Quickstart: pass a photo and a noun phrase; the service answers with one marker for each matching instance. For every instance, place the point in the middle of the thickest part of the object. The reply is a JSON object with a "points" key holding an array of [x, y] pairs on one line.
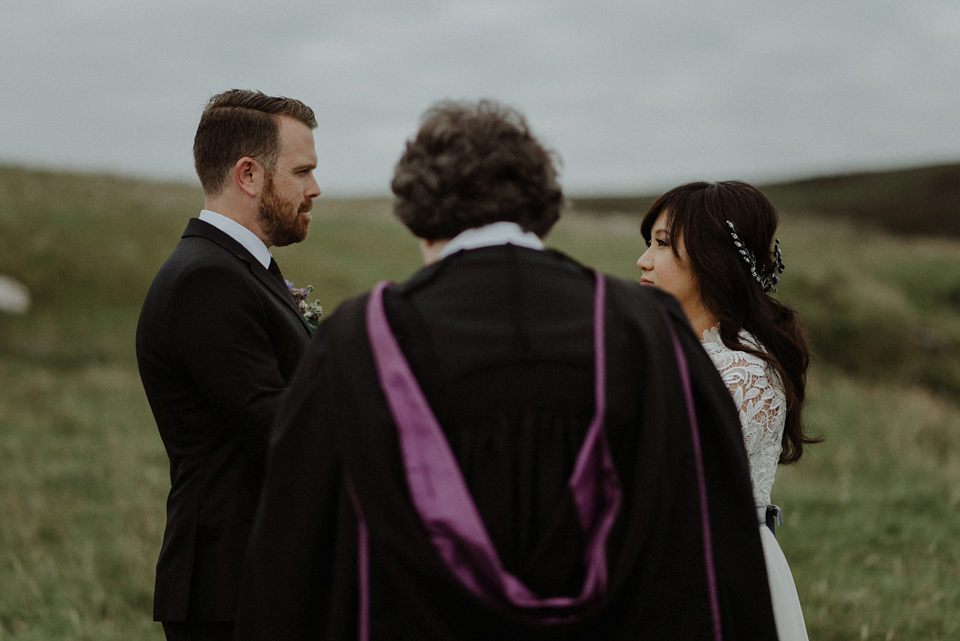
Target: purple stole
{"points": [[441, 497]]}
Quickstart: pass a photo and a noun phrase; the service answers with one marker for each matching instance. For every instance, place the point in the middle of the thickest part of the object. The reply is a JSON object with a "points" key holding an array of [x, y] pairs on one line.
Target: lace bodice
{"points": [[759, 397]]}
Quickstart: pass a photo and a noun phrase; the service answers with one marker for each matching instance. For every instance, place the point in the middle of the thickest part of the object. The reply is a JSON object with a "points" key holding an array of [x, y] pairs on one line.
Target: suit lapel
{"points": [[197, 227], [281, 291]]}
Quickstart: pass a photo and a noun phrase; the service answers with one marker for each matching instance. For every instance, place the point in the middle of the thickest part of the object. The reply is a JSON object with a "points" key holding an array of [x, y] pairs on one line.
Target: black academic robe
{"points": [[218, 340], [501, 342]]}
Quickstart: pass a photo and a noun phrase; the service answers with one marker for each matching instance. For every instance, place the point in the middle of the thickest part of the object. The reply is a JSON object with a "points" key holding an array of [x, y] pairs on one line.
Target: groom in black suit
{"points": [[218, 340]]}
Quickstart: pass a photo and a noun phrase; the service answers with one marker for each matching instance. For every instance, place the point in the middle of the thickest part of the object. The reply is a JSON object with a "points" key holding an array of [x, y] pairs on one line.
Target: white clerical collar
{"points": [[239, 233], [490, 235]]}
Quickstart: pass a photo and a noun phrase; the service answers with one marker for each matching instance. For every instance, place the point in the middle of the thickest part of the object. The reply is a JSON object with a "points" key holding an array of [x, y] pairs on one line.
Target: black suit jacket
{"points": [[217, 342], [497, 337]]}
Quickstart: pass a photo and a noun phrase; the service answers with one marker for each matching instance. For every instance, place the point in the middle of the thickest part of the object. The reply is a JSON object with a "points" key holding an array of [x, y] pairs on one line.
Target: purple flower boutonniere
{"points": [[311, 311]]}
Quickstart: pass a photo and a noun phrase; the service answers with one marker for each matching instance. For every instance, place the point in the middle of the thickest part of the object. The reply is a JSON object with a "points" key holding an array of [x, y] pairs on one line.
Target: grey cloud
{"points": [[633, 95]]}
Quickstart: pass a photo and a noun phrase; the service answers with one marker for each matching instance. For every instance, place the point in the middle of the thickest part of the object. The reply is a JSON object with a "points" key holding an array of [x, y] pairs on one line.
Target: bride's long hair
{"points": [[698, 213]]}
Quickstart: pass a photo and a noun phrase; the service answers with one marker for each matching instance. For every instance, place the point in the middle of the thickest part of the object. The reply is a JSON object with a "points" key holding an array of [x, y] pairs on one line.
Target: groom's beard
{"points": [[282, 221]]}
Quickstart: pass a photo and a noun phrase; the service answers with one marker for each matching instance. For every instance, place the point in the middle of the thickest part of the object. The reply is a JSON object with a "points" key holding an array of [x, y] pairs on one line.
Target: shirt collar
{"points": [[239, 233], [500, 233]]}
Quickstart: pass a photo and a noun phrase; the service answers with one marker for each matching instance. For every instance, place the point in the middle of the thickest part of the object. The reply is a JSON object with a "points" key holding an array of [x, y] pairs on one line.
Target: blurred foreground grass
{"points": [[872, 518]]}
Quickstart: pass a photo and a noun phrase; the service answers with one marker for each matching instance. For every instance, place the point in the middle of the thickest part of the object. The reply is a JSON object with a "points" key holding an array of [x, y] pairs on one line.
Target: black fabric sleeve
{"points": [[220, 331], [742, 584], [285, 592]]}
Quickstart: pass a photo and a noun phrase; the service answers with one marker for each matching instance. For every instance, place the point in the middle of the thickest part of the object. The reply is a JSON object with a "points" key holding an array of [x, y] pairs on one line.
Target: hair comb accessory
{"points": [[767, 281]]}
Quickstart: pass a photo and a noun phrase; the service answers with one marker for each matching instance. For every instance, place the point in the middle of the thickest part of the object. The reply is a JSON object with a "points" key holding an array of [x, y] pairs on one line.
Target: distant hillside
{"points": [[920, 201]]}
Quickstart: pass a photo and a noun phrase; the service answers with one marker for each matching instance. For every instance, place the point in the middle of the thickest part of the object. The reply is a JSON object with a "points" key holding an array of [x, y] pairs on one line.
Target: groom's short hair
{"points": [[472, 164], [239, 123]]}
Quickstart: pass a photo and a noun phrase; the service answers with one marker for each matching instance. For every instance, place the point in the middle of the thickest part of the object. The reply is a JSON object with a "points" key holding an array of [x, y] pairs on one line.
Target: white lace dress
{"points": [[759, 397]]}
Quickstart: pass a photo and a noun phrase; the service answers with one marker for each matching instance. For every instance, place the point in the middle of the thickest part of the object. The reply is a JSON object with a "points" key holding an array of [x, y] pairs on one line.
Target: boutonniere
{"points": [[311, 311]]}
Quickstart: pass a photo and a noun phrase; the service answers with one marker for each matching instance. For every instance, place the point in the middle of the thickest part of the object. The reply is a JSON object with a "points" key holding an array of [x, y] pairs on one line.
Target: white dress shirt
{"points": [[239, 233], [501, 233]]}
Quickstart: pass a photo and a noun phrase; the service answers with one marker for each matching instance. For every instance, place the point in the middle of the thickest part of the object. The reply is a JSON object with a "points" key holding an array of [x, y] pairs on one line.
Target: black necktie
{"points": [[275, 270]]}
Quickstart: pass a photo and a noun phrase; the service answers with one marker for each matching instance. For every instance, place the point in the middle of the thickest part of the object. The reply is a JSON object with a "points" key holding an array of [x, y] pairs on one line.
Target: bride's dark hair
{"points": [[698, 213]]}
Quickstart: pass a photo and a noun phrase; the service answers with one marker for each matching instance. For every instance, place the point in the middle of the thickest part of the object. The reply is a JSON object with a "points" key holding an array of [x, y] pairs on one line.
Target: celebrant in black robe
{"points": [[508, 445]]}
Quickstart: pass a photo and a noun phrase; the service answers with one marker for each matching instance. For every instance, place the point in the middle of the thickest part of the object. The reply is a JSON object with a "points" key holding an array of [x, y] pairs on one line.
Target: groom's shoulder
{"points": [[195, 254], [198, 269]]}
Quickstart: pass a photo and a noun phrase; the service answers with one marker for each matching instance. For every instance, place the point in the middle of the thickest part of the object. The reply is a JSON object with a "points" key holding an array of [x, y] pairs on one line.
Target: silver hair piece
{"points": [[767, 281]]}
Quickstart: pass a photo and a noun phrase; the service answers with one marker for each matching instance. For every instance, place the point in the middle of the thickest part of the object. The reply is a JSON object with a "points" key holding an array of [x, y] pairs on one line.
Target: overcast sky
{"points": [[634, 95]]}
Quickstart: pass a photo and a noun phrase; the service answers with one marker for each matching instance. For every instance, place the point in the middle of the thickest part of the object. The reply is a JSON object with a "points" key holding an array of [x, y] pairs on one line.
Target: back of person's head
{"points": [[727, 230], [237, 124], [472, 164]]}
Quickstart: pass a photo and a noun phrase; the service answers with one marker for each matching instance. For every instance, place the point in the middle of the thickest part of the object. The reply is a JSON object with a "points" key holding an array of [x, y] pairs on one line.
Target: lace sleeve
{"points": [[753, 393], [762, 408]]}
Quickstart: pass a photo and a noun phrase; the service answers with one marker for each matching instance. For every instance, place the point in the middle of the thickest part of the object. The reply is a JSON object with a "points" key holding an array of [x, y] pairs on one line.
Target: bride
{"points": [[709, 245]]}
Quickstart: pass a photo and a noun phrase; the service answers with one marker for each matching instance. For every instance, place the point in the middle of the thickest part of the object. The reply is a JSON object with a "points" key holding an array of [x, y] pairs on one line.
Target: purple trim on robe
{"points": [[363, 568], [441, 497], [701, 482], [594, 484]]}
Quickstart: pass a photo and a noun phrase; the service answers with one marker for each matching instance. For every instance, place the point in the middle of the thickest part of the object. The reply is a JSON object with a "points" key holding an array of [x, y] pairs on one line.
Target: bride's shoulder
{"points": [[724, 357], [711, 339]]}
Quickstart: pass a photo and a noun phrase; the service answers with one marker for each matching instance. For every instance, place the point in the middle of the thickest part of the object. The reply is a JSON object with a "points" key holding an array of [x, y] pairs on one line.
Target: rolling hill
{"points": [[922, 201]]}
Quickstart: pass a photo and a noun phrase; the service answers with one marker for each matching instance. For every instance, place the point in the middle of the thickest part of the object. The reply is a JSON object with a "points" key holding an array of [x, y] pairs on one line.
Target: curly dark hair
{"points": [[472, 164], [239, 123], [698, 213]]}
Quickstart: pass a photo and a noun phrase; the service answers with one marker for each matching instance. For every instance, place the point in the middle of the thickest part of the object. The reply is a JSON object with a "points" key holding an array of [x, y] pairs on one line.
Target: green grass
{"points": [[873, 513]]}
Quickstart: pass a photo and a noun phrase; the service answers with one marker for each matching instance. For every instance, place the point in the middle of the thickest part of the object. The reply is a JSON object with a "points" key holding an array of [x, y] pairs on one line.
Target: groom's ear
{"points": [[248, 176]]}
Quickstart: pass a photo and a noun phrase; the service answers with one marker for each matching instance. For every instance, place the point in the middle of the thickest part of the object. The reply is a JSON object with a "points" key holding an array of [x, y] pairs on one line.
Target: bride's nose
{"points": [[643, 262]]}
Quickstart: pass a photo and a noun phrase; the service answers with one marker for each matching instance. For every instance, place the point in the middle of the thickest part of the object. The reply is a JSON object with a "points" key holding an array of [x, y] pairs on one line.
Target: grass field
{"points": [[872, 515]]}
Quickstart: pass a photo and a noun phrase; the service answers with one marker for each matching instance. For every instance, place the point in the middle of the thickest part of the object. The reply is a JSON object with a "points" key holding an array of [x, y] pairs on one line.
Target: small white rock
{"points": [[14, 297]]}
